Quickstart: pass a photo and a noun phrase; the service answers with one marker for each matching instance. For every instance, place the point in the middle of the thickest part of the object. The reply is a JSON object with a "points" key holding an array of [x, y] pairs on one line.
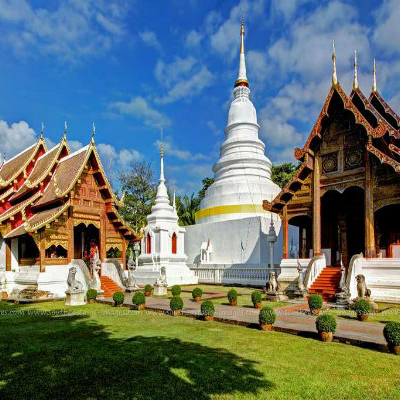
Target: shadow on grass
{"points": [[64, 356]]}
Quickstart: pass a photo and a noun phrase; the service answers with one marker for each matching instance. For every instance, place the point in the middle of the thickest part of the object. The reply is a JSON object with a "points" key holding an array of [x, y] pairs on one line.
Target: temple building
{"points": [[163, 242], [231, 220], [54, 206], [345, 196]]}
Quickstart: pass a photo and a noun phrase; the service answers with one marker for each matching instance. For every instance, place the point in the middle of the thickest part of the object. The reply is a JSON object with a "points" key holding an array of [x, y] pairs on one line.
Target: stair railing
{"points": [[314, 268], [113, 270], [355, 268]]}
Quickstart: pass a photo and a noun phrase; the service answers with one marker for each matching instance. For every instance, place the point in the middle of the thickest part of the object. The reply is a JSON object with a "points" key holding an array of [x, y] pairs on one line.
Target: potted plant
{"points": [[176, 305], [147, 290], [256, 298], [315, 304], [208, 310], [391, 331], [91, 295], [118, 298], [196, 294], [232, 297], [326, 326], [139, 300], [176, 290], [266, 318], [362, 308]]}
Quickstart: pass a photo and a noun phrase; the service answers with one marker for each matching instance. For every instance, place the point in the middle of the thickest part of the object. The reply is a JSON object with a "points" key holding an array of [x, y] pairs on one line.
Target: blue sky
{"points": [[133, 66]]}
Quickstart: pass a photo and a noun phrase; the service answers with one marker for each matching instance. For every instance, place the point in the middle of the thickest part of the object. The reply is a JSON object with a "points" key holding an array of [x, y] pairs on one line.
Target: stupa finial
{"points": [[374, 77], [242, 77], [161, 156], [355, 80], [334, 74], [93, 132]]}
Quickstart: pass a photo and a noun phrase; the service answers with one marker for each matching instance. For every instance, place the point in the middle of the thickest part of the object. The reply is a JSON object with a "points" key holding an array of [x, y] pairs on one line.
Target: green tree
{"points": [[282, 173], [186, 208], [207, 182], [140, 190]]}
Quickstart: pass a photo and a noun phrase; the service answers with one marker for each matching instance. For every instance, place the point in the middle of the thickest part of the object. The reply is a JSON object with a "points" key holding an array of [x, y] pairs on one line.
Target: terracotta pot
{"points": [[394, 349], [5, 295], [197, 299], [266, 327], [326, 336], [91, 301], [362, 317], [209, 317], [147, 294], [257, 305], [176, 312], [141, 307], [316, 311], [233, 303]]}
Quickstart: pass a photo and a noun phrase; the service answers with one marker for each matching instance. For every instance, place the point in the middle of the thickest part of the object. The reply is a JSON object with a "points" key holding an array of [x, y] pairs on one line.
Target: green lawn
{"points": [[97, 351], [386, 313]]}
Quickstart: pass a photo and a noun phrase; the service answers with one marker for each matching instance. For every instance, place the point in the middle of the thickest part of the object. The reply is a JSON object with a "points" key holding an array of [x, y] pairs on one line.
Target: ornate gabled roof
{"points": [[39, 220], [13, 167], [19, 207], [42, 168], [386, 112], [68, 172], [121, 222], [7, 193]]}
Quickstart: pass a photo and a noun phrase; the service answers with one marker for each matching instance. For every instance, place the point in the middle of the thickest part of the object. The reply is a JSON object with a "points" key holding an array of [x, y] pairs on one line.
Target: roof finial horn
{"points": [[355, 80], [374, 78], [65, 128], [42, 131], [334, 74], [93, 132]]}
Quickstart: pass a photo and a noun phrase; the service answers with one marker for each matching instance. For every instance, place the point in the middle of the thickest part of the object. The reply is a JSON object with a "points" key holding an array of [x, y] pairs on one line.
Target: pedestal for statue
{"points": [[160, 290], [75, 298], [276, 296], [273, 289]]}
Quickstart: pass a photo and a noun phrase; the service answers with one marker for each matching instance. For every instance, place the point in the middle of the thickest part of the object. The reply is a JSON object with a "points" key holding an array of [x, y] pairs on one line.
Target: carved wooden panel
{"points": [[330, 162], [353, 158]]}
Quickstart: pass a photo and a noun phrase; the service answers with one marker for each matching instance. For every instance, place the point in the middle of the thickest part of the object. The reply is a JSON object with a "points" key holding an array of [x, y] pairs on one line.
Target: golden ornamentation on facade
{"points": [[87, 222]]}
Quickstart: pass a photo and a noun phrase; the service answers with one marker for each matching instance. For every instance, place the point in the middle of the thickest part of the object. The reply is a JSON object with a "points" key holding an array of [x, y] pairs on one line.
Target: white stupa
{"points": [[163, 242], [231, 218]]}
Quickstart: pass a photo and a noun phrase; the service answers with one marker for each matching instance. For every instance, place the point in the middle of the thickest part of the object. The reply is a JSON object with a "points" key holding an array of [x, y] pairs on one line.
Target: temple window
{"points": [[113, 252], [174, 243], [56, 252]]}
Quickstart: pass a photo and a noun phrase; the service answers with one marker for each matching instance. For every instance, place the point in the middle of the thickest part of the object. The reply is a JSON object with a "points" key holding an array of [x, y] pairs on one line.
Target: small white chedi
{"points": [[162, 246]]}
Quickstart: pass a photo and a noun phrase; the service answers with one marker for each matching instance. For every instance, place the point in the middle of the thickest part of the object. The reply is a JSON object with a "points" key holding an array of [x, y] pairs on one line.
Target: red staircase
{"points": [[327, 283], [109, 286]]}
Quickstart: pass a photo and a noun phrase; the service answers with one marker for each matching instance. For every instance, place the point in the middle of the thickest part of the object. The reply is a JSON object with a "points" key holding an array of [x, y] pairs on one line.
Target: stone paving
{"points": [[291, 319]]}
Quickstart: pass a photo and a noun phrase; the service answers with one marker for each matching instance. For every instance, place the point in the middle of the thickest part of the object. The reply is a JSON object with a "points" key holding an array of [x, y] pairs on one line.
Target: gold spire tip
{"points": [[334, 74], [374, 77], [355, 80], [242, 36]]}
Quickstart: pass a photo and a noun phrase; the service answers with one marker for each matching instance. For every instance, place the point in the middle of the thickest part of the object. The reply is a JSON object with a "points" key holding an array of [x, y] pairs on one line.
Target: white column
{"points": [[14, 254], [2, 254]]}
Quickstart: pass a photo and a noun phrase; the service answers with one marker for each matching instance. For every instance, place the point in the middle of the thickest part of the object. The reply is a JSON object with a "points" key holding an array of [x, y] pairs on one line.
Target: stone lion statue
{"points": [[73, 284], [272, 284], [362, 289]]}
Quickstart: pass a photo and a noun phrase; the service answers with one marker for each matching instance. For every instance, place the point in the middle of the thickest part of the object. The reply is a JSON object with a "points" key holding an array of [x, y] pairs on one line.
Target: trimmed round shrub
{"points": [[267, 315], [176, 303], [207, 308], [176, 290], [197, 292], [148, 288], [256, 297], [391, 331], [232, 295], [118, 298], [326, 323], [362, 307], [138, 299], [91, 294], [315, 302]]}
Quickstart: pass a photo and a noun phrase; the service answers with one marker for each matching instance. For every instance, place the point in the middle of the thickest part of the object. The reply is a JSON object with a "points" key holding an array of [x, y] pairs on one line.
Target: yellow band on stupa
{"points": [[230, 209]]}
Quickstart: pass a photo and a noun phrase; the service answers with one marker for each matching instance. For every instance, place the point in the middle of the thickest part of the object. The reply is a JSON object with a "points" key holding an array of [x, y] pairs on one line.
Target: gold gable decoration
{"points": [[56, 240], [114, 243]]}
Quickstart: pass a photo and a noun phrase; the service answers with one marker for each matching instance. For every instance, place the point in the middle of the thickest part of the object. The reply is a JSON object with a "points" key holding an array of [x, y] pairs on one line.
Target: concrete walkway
{"points": [[290, 319]]}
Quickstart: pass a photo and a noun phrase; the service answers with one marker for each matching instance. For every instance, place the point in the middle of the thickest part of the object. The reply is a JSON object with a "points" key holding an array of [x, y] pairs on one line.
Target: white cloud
{"points": [[167, 74], [15, 137], [193, 38], [172, 149], [74, 145], [387, 31], [214, 129], [149, 38], [139, 108], [69, 30]]}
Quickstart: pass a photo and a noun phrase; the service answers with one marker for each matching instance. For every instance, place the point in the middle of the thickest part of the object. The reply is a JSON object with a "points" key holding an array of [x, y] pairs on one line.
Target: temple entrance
{"points": [[304, 223], [387, 230], [83, 237], [342, 225]]}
